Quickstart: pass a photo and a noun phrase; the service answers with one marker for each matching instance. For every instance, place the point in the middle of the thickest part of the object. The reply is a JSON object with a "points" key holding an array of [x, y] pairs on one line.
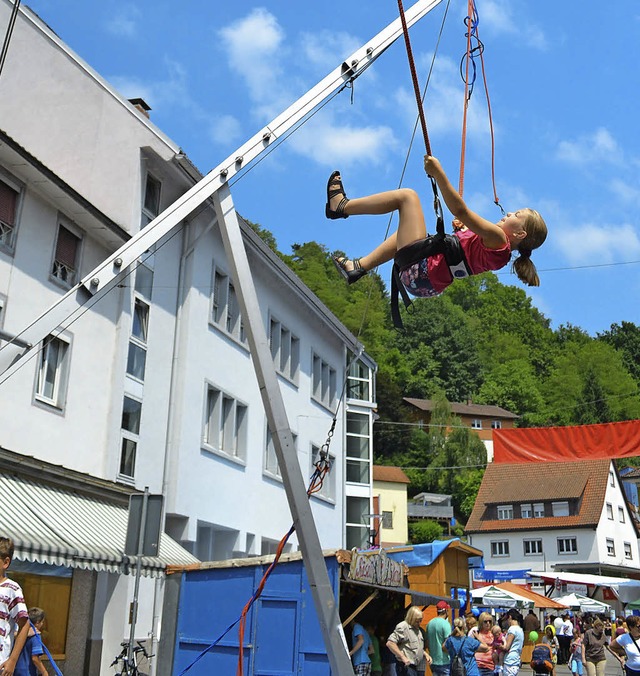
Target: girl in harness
{"points": [[485, 245]]}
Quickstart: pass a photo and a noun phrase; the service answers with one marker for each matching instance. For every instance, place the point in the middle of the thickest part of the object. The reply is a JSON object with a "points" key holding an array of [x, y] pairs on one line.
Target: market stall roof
{"points": [[583, 603], [539, 601], [626, 590], [494, 597]]}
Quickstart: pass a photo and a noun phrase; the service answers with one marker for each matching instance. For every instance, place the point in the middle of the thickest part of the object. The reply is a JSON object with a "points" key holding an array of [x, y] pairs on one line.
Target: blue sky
{"points": [[563, 96]]}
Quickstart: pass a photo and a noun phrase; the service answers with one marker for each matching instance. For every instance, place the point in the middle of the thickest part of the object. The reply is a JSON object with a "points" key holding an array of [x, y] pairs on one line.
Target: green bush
{"points": [[425, 531]]}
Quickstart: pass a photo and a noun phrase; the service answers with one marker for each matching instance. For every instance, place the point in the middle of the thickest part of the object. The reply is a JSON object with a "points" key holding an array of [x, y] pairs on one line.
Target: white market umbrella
{"points": [[494, 597], [583, 603]]}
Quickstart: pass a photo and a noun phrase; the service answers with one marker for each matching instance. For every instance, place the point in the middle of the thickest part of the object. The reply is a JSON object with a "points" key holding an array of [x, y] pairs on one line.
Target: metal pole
{"points": [[294, 485], [136, 589]]}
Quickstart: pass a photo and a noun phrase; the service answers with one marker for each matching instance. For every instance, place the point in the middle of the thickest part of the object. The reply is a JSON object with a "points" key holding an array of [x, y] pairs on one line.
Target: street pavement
{"points": [[611, 669]]}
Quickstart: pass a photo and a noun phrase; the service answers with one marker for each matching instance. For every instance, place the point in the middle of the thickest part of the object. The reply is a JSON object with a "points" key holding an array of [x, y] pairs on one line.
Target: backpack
{"points": [[541, 659], [458, 667]]}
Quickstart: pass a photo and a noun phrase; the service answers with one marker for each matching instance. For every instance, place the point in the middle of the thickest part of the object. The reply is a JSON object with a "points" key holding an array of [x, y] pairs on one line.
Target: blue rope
{"points": [[477, 48]]}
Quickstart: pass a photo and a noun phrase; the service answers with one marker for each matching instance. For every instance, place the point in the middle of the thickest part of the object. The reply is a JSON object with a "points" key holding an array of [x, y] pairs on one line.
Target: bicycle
{"points": [[122, 660]]}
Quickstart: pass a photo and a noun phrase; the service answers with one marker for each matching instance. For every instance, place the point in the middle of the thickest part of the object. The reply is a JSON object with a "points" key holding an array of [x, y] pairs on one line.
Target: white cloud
{"points": [[342, 145], [325, 48], [254, 48], [589, 149], [224, 128], [629, 194], [497, 17], [589, 243], [124, 22]]}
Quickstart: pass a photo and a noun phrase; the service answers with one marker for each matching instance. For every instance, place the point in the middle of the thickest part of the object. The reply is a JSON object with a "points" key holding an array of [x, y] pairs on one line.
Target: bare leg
{"points": [[410, 228]]}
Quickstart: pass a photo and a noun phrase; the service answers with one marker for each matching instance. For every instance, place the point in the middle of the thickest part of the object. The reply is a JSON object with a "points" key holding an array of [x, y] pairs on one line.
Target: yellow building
{"points": [[389, 522]]}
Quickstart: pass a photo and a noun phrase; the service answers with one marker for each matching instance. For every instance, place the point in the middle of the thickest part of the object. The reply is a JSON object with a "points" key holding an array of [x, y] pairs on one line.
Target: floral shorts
{"points": [[416, 280]]}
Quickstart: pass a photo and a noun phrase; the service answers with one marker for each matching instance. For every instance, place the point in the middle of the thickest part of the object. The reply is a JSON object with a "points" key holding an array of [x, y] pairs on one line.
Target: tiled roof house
{"points": [[555, 516]]}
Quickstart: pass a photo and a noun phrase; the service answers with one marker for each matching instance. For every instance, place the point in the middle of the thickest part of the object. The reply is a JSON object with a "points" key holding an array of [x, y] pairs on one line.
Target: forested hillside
{"points": [[481, 341]]}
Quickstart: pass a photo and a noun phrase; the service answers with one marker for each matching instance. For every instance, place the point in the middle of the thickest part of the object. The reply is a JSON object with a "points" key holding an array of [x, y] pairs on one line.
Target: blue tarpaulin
{"points": [[426, 554]]}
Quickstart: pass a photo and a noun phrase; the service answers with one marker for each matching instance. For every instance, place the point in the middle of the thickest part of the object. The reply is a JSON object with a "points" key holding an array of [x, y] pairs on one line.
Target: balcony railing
{"points": [[417, 511]]}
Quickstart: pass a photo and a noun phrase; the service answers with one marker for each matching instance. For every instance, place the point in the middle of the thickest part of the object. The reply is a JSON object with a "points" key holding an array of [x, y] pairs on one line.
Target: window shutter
{"points": [[8, 199], [67, 247]]}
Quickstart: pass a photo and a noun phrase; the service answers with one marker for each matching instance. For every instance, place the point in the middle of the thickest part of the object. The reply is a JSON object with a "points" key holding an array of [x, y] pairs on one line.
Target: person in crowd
{"points": [[438, 630], [30, 662], [514, 643], [472, 625], [465, 645], [620, 628], [607, 627], [374, 655], [565, 636], [361, 648], [550, 639], [626, 647], [594, 644], [498, 649], [575, 650], [531, 623], [13, 611], [484, 658], [406, 642]]}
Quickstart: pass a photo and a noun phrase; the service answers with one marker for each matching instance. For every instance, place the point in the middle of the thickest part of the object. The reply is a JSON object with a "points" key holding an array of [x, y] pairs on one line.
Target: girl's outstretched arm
{"points": [[492, 236]]}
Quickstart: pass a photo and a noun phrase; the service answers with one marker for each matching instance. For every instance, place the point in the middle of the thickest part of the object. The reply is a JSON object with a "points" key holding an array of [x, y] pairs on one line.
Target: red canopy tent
{"points": [[560, 444]]}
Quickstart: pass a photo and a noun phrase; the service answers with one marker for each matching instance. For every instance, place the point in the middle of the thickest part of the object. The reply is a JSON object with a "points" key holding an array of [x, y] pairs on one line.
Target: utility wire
{"points": [[9, 33]]}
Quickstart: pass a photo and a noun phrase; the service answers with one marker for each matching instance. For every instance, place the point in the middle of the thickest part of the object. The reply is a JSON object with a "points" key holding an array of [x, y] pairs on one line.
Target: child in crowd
{"points": [[29, 663], [498, 648], [576, 653], [13, 611], [550, 639]]}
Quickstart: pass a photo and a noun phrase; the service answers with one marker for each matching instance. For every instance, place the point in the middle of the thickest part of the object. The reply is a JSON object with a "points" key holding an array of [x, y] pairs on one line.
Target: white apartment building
{"points": [[555, 516], [153, 386]]}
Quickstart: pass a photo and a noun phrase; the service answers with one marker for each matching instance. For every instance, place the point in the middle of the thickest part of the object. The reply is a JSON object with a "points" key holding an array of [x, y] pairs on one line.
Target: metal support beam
{"points": [[294, 485]]}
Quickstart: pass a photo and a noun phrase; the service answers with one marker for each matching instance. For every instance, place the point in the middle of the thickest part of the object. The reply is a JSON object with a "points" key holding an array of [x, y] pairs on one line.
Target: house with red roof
{"points": [[555, 516], [389, 521]]}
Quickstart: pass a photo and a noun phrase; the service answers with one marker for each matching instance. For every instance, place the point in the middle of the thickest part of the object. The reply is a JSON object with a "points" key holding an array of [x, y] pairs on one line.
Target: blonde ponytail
{"points": [[523, 266]]}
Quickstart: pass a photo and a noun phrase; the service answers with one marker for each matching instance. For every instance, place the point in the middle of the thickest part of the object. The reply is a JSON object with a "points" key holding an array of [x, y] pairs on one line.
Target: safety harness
{"points": [[448, 245]]}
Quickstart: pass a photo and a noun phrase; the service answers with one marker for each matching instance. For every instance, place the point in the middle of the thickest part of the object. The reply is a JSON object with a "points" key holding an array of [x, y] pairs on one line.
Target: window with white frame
{"points": [[627, 551], [225, 309], [532, 547], [53, 371], [131, 414], [358, 379], [621, 518], [358, 524], [609, 511], [505, 512], [526, 511], [285, 350], [560, 508], [496, 424], [144, 281], [611, 547], [151, 201], [500, 548], [9, 201], [387, 520], [225, 424], [358, 447], [328, 488], [137, 357], [66, 256], [270, 459], [476, 424], [568, 545], [323, 382], [612, 479], [538, 510]]}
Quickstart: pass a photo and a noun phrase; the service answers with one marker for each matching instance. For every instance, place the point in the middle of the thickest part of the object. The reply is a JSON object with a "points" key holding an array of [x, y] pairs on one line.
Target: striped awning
{"points": [[61, 527]]}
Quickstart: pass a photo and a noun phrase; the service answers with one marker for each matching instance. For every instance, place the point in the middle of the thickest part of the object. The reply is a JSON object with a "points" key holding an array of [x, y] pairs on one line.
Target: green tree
{"points": [[625, 337], [425, 531]]}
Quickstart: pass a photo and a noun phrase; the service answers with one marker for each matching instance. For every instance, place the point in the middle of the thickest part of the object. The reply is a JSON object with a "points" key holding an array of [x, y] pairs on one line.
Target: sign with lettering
{"points": [[376, 569]]}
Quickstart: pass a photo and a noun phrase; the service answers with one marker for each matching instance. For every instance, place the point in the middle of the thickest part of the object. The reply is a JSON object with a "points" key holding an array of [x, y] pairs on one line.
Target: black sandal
{"points": [[350, 276], [338, 189]]}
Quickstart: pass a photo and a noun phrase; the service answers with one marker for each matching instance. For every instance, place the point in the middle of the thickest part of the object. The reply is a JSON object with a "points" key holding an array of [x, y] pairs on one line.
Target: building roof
{"points": [[479, 410], [391, 474], [504, 483], [539, 601]]}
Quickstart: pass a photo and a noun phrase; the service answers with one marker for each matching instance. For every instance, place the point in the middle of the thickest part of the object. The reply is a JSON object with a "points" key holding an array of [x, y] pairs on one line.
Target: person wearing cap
{"points": [[514, 644], [438, 630], [407, 644]]}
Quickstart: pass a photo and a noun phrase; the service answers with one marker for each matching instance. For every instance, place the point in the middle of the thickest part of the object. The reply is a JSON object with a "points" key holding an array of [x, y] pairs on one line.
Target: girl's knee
{"points": [[408, 195]]}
